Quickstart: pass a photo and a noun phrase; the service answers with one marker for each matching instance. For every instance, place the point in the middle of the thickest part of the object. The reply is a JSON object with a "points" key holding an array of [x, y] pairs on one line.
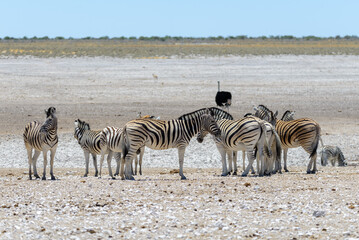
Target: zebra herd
{"points": [[260, 135]]}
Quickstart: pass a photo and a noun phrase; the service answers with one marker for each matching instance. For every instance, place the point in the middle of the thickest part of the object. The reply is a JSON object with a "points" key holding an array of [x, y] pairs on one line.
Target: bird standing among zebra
{"points": [[223, 98], [42, 138], [160, 135]]}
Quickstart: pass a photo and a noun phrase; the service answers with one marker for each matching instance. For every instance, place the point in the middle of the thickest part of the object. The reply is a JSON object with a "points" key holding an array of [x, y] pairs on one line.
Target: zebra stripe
{"points": [[303, 132], [159, 135], [41, 138]]}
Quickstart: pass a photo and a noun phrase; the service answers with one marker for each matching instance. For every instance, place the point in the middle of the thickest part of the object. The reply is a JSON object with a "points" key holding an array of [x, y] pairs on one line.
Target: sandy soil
{"points": [[111, 91]]}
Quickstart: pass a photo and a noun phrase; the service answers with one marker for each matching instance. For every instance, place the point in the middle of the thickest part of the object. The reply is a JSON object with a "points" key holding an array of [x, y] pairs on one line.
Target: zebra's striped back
{"points": [[299, 132], [88, 139], [245, 130], [216, 113], [111, 136]]}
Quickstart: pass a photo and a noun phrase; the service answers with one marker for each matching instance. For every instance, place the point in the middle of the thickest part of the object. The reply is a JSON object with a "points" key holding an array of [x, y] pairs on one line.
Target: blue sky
{"points": [[188, 18]]}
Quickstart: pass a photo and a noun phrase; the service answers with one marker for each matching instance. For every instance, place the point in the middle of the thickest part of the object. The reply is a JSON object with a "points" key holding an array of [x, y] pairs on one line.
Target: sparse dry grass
{"points": [[159, 49]]}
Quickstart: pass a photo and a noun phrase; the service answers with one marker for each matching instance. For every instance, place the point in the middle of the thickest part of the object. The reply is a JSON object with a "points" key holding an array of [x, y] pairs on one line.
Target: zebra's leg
{"points": [[34, 159], [109, 157], [52, 157], [94, 158], [235, 162], [251, 158], [181, 151], [87, 156], [141, 157], [101, 162], [118, 163], [29, 158], [122, 167], [136, 162], [244, 159], [230, 161], [222, 152], [285, 151], [130, 155], [44, 153]]}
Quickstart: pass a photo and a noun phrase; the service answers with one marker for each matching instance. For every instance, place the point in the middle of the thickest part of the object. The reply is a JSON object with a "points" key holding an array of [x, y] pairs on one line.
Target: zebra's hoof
{"points": [[53, 177], [183, 178], [85, 175], [244, 175], [234, 173], [130, 178], [43, 178], [116, 174], [286, 170], [224, 174], [113, 178], [36, 176], [30, 178]]}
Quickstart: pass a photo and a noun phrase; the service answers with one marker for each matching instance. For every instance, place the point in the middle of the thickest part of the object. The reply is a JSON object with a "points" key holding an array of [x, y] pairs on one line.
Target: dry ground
{"points": [[158, 205], [110, 91]]}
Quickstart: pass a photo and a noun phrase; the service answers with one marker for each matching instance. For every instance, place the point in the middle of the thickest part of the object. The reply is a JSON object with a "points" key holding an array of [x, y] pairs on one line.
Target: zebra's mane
{"points": [[264, 108], [193, 114], [220, 112], [215, 112], [285, 114]]}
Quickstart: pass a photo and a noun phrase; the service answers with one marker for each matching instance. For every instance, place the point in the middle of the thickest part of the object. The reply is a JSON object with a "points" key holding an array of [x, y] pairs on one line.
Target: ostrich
{"points": [[223, 98]]}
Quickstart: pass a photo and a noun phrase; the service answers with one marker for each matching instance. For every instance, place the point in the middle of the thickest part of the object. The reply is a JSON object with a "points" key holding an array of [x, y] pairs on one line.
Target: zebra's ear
{"points": [[255, 109]]}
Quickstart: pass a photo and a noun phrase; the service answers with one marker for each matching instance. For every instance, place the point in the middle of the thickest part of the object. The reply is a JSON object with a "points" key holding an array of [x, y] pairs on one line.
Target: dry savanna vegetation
{"points": [[180, 48]]}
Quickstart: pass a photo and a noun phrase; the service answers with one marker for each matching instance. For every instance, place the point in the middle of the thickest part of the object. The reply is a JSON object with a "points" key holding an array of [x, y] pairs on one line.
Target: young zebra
{"points": [[302, 132], [89, 141], [42, 138], [160, 135], [247, 134], [332, 154]]}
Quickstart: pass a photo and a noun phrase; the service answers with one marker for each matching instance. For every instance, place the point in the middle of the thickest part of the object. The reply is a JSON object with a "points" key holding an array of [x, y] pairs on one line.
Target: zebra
{"points": [[110, 144], [89, 141], [303, 132], [160, 135], [42, 138], [247, 134], [332, 154]]}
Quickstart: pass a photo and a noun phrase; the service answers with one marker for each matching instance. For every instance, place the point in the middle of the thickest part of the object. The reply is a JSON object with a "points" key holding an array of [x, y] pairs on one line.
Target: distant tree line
{"points": [[178, 38]]}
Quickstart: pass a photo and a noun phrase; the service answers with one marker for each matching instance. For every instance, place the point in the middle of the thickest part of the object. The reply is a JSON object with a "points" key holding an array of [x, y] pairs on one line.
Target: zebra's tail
{"points": [[316, 140], [263, 139], [125, 144], [278, 145]]}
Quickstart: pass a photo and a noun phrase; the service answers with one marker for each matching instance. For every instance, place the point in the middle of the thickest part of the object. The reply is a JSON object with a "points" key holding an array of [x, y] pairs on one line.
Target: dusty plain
{"points": [[111, 91]]}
